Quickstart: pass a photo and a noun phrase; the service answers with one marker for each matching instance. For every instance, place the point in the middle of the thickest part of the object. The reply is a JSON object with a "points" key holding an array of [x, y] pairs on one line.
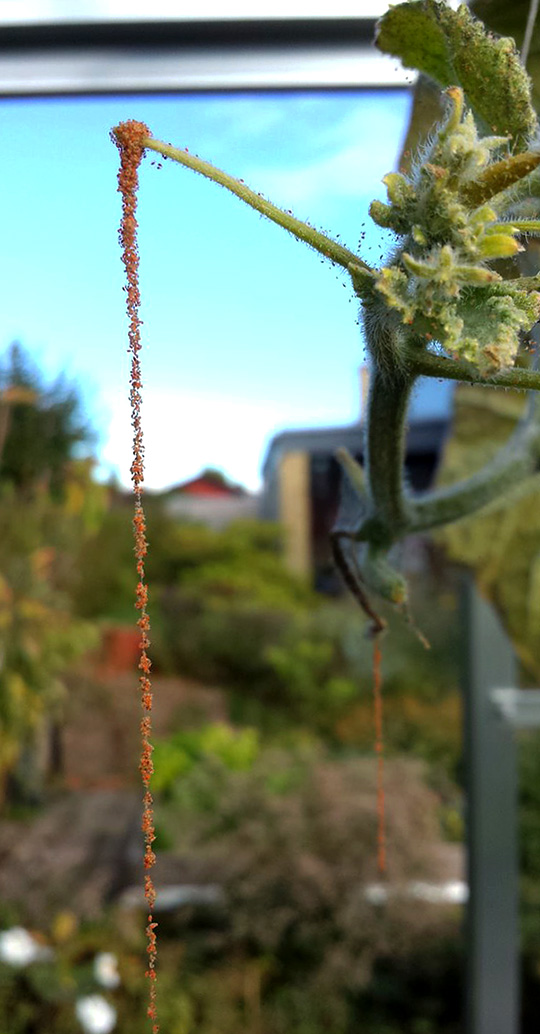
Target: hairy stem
{"points": [[385, 448], [426, 364], [317, 240], [517, 460]]}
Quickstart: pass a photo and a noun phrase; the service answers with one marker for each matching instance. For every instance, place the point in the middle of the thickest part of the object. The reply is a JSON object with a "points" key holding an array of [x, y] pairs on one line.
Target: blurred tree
{"points": [[39, 635], [42, 426], [49, 502]]}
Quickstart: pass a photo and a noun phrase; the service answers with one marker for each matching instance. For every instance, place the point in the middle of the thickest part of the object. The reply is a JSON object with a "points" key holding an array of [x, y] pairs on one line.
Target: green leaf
{"points": [[411, 32], [453, 48]]}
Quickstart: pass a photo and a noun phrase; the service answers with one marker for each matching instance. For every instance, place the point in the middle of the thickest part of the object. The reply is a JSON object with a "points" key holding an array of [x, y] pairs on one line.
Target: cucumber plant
{"points": [[439, 307]]}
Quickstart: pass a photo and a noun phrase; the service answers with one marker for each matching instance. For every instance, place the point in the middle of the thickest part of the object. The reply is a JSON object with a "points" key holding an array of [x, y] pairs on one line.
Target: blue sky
{"points": [[246, 331]]}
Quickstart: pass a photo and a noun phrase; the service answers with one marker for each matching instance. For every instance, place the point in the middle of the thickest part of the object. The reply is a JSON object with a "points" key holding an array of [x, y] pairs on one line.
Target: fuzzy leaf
{"points": [[411, 32], [453, 48]]}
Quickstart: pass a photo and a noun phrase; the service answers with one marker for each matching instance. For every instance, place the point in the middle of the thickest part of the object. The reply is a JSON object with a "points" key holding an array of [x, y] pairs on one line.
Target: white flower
{"points": [[106, 969], [376, 893], [18, 947], [95, 1014]]}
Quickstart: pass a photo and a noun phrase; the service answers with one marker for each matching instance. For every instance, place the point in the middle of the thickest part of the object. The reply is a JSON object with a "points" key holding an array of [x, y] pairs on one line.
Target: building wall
{"points": [[215, 512], [295, 511]]}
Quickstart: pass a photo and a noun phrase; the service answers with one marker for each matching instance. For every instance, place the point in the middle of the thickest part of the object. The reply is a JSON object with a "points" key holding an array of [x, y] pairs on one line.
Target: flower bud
{"points": [[499, 245], [399, 190], [381, 214]]}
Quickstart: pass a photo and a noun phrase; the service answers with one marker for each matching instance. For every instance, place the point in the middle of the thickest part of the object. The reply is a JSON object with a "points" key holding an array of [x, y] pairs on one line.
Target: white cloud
{"points": [[240, 117], [337, 175], [184, 433], [353, 154]]}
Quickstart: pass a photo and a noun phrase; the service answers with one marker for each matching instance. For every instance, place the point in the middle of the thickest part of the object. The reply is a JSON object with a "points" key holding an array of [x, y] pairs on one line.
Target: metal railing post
{"points": [[492, 1005]]}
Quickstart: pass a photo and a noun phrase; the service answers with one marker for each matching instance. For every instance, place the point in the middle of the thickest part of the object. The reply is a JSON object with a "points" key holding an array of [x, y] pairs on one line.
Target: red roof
{"points": [[208, 487]]}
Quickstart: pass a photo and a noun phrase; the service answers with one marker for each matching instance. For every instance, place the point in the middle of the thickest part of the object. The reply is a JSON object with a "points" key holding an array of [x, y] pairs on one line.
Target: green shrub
{"points": [[40, 637], [305, 672], [429, 729], [235, 750], [291, 840], [103, 581]]}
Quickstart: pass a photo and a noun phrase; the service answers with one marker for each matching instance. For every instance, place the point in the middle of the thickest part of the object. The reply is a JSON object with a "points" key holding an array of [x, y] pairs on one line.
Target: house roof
{"points": [[207, 485], [423, 436]]}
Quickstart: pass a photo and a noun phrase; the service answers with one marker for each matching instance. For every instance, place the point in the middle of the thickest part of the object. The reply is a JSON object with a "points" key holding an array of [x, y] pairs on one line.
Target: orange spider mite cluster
{"points": [[129, 137]]}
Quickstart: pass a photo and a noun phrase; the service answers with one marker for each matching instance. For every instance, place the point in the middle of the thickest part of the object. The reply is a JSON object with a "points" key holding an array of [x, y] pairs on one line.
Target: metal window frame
{"points": [[495, 711], [166, 56]]}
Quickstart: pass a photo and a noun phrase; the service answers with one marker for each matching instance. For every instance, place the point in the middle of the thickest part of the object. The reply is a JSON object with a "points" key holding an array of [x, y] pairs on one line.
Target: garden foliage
{"points": [[48, 504]]}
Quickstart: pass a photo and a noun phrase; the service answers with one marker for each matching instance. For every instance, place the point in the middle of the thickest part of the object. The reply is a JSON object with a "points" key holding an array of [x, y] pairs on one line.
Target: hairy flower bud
{"points": [[382, 214], [400, 191], [439, 281], [499, 245]]}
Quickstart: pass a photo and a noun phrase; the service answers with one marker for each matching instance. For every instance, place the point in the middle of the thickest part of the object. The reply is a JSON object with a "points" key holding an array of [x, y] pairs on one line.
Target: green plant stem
{"points": [[385, 448], [426, 364], [393, 514], [517, 460], [317, 240]]}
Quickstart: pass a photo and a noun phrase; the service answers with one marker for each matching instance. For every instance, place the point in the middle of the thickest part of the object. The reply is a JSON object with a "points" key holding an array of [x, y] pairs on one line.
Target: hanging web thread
{"points": [[129, 137], [379, 749]]}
